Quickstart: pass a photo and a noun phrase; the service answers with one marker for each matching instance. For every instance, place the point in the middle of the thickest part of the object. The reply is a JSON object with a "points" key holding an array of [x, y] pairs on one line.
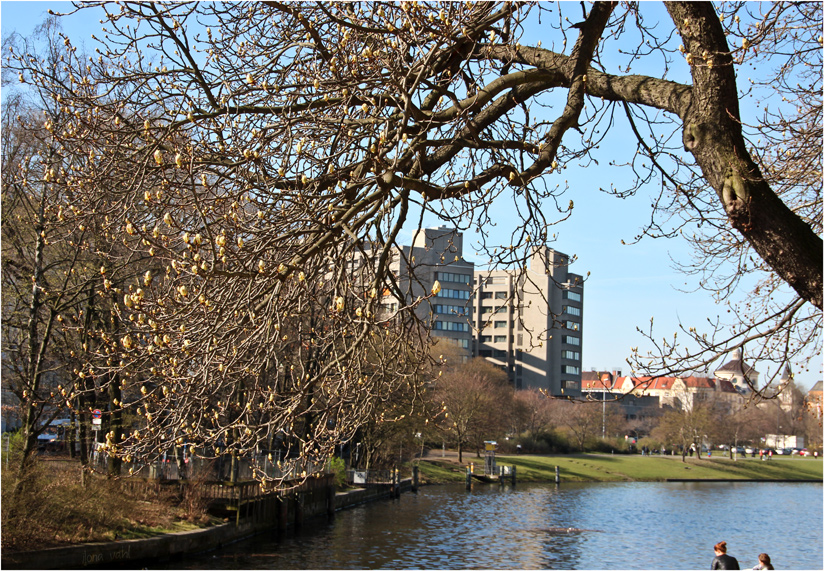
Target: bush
{"points": [[338, 467]]}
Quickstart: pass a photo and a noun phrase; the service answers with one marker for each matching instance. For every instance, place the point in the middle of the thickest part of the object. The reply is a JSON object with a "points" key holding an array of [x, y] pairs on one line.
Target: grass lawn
{"points": [[615, 468]]}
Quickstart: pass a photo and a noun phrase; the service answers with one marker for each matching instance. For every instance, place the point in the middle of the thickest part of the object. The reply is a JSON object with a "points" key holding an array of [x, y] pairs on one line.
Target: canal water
{"points": [[633, 525]]}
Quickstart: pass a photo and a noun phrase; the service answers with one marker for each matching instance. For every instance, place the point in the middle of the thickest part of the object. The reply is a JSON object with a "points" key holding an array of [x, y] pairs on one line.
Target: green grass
{"points": [[616, 468], [440, 473]]}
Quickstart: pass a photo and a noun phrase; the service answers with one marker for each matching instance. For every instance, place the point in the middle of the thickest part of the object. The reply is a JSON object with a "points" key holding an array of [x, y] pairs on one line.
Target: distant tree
{"points": [[470, 398], [689, 428], [583, 420], [535, 411]]}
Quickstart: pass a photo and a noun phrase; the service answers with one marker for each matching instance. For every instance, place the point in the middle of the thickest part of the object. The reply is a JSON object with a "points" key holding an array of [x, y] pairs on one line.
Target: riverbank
{"points": [[275, 516], [438, 467]]}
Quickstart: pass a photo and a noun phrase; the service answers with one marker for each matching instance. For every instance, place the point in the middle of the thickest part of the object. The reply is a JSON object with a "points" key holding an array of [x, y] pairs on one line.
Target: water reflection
{"points": [[630, 526]]}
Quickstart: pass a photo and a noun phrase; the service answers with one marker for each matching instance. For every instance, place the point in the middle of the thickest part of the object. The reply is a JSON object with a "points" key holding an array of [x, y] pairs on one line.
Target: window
{"points": [[569, 385], [454, 293], [574, 355], [486, 295], [520, 339], [485, 352], [571, 370], [500, 309], [499, 354], [570, 310], [500, 295], [389, 307], [462, 343], [451, 309], [454, 278], [572, 325], [570, 340], [486, 338], [500, 324], [572, 295], [500, 339], [451, 326], [485, 310]]}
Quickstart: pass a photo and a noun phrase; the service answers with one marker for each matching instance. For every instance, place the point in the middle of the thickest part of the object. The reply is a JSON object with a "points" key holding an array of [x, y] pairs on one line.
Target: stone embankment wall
{"points": [[264, 515]]}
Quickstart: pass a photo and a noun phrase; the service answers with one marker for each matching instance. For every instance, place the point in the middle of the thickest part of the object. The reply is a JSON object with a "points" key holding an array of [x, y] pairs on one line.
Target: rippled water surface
{"points": [[627, 526]]}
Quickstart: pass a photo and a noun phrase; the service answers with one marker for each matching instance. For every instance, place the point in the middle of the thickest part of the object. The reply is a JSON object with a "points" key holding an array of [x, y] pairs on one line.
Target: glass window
{"points": [[570, 310], [452, 277], [500, 324], [486, 295], [500, 339], [500, 295], [486, 338], [454, 293], [572, 295], [574, 355], [485, 310], [572, 325], [451, 326], [570, 370], [451, 309], [485, 352], [570, 340]]}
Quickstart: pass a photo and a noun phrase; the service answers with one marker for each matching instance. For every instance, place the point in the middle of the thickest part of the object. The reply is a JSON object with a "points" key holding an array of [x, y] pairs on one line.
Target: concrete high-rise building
{"points": [[436, 254], [527, 321]]}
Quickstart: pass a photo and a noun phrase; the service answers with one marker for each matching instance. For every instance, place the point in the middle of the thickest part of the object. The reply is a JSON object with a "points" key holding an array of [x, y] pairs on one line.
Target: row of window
{"points": [[493, 338], [455, 278], [490, 309], [451, 326], [494, 295], [441, 309], [454, 293]]}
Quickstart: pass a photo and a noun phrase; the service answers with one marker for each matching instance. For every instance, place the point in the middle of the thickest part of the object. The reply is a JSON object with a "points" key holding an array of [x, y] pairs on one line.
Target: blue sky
{"points": [[628, 284]]}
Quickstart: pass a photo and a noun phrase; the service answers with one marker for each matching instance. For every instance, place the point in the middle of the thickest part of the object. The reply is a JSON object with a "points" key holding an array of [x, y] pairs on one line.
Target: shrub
{"points": [[338, 467]]}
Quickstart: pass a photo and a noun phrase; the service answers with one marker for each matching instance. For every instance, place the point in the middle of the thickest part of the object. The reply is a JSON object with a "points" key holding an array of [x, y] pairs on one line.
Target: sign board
{"points": [[96, 414], [96, 421]]}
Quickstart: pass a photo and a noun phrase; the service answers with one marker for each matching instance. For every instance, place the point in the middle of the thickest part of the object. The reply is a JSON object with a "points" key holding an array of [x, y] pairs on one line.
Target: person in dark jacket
{"points": [[721, 559]]}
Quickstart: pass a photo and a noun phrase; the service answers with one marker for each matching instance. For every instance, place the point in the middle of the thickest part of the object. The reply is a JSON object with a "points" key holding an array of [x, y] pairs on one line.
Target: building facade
{"points": [[527, 321]]}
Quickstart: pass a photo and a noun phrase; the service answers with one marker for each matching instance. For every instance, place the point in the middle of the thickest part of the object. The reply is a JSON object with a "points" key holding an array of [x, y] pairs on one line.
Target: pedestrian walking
{"points": [[763, 562], [721, 559]]}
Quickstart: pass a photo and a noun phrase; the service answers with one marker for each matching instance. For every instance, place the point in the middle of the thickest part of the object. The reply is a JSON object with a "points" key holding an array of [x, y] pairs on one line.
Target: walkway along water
{"points": [[254, 513]]}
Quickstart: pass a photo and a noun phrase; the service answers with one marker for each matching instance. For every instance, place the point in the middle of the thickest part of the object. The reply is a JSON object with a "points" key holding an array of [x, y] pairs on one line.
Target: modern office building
{"points": [[528, 321], [436, 254]]}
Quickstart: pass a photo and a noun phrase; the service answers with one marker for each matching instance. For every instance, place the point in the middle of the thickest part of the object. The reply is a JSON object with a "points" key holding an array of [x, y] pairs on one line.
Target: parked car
{"points": [[749, 450]]}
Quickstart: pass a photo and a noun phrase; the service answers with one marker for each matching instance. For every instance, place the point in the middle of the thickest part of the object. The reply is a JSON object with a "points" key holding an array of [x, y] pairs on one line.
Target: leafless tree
{"points": [[258, 152]]}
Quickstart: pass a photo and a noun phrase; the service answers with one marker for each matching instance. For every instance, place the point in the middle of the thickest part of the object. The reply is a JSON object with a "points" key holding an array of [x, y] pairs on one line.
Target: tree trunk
{"points": [[713, 134]]}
